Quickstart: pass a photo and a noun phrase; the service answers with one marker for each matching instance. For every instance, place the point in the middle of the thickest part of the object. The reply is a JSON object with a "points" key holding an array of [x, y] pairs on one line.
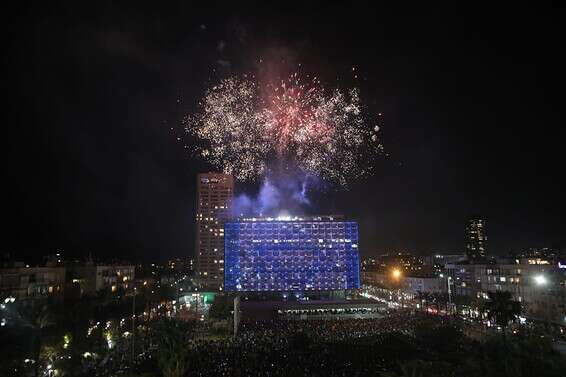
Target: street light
{"points": [[133, 324], [540, 280], [449, 292], [396, 273]]}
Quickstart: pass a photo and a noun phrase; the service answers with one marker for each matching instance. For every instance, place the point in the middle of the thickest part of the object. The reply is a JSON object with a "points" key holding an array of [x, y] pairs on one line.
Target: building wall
{"points": [[539, 300], [424, 284], [375, 278], [443, 259], [85, 277], [114, 276], [37, 282], [409, 284], [214, 200], [93, 278], [291, 255], [476, 239], [32, 282]]}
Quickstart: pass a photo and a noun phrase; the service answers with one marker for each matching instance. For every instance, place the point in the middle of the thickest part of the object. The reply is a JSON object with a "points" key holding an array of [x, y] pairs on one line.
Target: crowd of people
{"points": [[351, 313], [312, 348]]}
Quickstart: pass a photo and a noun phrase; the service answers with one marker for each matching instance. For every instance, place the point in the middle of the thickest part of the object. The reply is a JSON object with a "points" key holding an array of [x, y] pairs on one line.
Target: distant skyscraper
{"points": [[214, 200], [475, 239]]}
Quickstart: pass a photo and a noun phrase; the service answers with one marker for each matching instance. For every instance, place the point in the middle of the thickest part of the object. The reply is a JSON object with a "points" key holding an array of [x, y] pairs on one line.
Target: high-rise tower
{"points": [[214, 199], [475, 239]]}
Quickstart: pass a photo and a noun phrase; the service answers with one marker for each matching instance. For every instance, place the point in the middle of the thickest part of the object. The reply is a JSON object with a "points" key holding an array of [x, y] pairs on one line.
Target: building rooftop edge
{"points": [[247, 219]]}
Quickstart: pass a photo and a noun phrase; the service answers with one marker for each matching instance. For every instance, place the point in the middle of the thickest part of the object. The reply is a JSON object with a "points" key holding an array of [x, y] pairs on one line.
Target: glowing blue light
{"points": [[271, 255]]}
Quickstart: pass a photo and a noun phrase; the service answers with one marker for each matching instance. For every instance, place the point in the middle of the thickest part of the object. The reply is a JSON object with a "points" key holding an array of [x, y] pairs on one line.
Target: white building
{"points": [[538, 285]]}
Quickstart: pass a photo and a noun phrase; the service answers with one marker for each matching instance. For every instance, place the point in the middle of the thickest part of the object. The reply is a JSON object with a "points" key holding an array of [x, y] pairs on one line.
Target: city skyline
{"points": [[96, 120], [321, 189]]}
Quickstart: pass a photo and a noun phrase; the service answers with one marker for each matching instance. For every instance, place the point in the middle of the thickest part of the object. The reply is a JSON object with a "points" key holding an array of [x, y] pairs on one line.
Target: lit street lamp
{"points": [[396, 275], [449, 292], [448, 279], [133, 324], [540, 280]]}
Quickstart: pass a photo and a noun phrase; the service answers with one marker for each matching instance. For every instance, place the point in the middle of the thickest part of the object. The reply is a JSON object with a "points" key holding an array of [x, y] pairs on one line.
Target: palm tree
{"points": [[38, 317], [175, 364], [502, 308], [173, 354]]}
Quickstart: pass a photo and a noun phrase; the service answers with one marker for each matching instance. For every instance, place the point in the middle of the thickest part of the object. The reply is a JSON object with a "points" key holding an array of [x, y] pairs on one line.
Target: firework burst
{"points": [[245, 128]]}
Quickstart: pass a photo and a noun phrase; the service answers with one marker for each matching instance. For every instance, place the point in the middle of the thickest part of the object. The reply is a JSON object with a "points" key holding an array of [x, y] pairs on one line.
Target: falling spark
{"points": [[245, 128]]}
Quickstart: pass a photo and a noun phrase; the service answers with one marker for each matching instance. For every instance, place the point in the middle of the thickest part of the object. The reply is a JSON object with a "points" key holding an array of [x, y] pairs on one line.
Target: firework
{"points": [[245, 128]]}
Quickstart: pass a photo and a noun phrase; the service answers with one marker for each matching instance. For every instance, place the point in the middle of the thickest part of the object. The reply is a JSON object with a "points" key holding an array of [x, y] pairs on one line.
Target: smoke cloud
{"points": [[279, 195]]}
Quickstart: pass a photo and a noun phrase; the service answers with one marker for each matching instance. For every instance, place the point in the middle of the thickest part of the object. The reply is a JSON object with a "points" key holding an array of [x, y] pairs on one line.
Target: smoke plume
{"points": [[279, 195]]}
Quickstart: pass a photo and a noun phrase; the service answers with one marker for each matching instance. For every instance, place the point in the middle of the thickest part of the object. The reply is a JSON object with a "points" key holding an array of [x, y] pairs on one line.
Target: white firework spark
{"points": [[244, 129]]}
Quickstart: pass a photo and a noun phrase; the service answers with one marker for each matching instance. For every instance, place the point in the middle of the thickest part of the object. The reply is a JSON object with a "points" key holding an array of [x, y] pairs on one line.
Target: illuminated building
{"points": [[291, 254], [32, 282], [370, 264], [93, 278], [540, 287], [435, 263], [409, 284], [475, 239], [45, 281], [214, 199], [404, 261], [550, 255]]}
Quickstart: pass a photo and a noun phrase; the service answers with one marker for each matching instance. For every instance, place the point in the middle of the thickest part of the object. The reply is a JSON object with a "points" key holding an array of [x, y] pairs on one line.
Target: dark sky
{"points": [[472, 97]]}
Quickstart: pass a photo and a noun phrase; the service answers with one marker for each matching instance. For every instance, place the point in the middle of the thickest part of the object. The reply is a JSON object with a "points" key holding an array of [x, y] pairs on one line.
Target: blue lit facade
{"points": [[293, 255]]}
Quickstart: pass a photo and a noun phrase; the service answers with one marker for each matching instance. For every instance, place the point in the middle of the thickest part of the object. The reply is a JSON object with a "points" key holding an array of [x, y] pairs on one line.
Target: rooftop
{"points": [[289, 218]]}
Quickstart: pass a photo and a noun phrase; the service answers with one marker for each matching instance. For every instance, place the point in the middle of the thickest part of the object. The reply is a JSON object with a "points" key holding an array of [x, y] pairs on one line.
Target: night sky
{"points": [[472, 99]]}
